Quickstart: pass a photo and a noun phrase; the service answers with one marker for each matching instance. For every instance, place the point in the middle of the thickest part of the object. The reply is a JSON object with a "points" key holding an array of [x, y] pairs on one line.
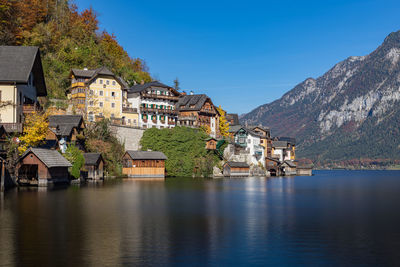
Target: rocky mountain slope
{"points": [[352, 111]]}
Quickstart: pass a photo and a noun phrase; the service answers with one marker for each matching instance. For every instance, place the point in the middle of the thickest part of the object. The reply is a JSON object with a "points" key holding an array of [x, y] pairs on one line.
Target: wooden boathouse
{"points": [[39, 166], [94, 166], [236, 169], [144, 164]]}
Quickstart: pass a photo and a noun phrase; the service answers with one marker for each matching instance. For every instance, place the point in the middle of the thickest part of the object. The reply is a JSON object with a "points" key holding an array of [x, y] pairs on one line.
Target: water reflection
{"points": [[333, 218]]}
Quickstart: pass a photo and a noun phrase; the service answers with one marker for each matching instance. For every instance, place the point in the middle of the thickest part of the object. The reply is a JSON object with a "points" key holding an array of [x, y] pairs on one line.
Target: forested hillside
{"points": [[67, 39]]}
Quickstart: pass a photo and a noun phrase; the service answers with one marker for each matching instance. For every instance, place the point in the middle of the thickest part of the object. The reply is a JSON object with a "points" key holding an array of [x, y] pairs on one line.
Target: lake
{"points": [[334, 218]]}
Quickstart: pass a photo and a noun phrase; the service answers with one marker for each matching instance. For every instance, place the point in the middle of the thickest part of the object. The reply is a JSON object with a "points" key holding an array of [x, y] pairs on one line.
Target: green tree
{"points": [[76, 158]]}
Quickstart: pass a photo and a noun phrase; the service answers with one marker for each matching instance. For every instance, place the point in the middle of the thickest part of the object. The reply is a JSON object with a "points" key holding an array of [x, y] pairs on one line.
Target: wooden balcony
{"points": [[13, 127], [171, 122], [164, 97], [129, 110], [158, 110], [30, 108]]}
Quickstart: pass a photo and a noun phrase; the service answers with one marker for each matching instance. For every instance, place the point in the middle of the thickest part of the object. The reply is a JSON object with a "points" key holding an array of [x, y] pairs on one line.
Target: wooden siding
{"points": [[143, 168]]}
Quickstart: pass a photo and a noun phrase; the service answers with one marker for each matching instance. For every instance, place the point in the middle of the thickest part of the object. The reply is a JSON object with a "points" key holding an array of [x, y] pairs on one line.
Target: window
{"points": [[101, 114], [113, 105], [249, 140], [101, 93], [90, 116], [101, 104], [101, 81], [129, 121], [112, 115], [108, 82], [90, 103], [113, 83], [104, 86], [91, 92], [113, 94]]}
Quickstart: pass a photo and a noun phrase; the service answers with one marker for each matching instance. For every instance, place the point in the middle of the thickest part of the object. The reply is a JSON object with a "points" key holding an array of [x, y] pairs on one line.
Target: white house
{"points": [[251, 141], [155, 103]]}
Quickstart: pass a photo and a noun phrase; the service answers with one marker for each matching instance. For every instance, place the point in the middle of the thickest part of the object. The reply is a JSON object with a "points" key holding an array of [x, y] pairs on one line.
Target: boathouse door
{"points": [[28, 173]]}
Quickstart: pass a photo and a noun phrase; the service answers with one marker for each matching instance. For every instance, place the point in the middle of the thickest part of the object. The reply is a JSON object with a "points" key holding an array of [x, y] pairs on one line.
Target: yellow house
{"points": [[100, 93], [21, 83]]}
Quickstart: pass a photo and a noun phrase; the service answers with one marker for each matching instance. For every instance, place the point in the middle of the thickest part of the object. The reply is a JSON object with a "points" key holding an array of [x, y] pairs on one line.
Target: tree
{"points": [[35, 131], [223, 123], [76, 158]]}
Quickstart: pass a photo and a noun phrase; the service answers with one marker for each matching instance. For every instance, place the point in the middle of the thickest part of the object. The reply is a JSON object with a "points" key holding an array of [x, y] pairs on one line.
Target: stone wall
{"points": [[129, 136]]}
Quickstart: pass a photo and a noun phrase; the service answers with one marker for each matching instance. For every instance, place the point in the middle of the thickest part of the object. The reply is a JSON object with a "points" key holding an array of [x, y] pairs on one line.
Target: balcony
{"points": [[154, 121], [144, 120], [129, 110], [187, 118], [12, 127], [165, 97], [30, 108], [171, 122], [158, 110]]}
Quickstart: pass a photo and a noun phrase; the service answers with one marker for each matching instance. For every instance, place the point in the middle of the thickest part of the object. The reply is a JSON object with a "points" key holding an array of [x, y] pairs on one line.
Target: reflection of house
{"points": [[155, 103], [64, 129], [251, 141], [98, 92], [144, 164], [21, 83], [39, 166], [94, 165], [236, 169], [198, 111]]}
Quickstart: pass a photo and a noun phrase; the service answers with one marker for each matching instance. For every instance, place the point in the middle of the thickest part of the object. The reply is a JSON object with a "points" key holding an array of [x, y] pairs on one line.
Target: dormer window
{"points": [[113, 83]]}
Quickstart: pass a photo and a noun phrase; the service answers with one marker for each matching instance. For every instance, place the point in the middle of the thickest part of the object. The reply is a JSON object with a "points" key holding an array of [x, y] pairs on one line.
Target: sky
{"points": [[244, 54]]}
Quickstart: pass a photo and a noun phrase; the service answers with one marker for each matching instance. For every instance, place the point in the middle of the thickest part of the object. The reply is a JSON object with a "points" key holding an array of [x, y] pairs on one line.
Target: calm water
{"points": [[335, 218]]}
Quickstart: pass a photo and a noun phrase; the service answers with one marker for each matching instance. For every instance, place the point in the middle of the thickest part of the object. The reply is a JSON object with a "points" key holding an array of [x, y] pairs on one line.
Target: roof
{"points": [[290, 163], [91, 74], [263, 128], [140, 87], [234, 128], [249, 131], [92, 158], [238, 164], [192, 102], [233, 117], [290, 140], [279, 144], [64, 124], [50, 158], [17, 63], [146, 155]]}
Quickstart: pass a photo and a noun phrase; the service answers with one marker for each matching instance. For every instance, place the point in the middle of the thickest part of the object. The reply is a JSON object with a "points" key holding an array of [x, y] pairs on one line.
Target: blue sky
{"points": [[245, 53]]}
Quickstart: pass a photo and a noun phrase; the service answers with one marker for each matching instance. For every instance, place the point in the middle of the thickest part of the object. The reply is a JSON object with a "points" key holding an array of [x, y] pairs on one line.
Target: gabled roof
{"points": [[141, 87], [50, 158], [146, 155], [92, 158], [92, 74], [232, 117], [17, 63], [234, 128], [192, 102], [279, 144], [237, 164], [64, 124], [249, 131], [290, 140], [290, 163]]}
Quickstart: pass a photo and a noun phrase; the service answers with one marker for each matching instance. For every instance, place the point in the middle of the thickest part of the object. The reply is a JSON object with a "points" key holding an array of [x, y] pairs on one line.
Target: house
{"points": [[232, 118], [64, 129], [211, 144], [251, 141], [265, 136], [21, 84], [288, 168], [100, 93], [155, 104], [291, 148], [39, 166], [94, 166], [236, 169], [198, 111], [233, 129], [283, 149], [144, 164]]}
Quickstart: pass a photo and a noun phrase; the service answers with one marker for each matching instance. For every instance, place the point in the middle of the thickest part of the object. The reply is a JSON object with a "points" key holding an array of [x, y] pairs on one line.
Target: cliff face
{"points": [[351, 111]]}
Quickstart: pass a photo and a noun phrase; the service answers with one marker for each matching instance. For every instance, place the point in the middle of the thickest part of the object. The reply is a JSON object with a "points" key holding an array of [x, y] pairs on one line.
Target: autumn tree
{"points": [[223, 123], [35, 131]]}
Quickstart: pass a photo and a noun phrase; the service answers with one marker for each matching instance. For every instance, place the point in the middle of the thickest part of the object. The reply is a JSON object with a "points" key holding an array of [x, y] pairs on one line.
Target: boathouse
{"points": [[94, 166], [288, 168], [236, 169], [39, 166], [211, 144], [144, 164]]}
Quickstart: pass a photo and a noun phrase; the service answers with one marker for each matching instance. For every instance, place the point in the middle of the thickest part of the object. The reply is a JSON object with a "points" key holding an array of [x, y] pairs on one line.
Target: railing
{"points": [[129, 110], [158, 110], [171, 122], [166, 97], [187, 118], [30, 108], [12, 127]]}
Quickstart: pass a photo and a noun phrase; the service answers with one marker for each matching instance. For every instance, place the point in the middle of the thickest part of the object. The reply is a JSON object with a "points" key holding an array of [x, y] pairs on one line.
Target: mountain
{"points": [[350, 112]]}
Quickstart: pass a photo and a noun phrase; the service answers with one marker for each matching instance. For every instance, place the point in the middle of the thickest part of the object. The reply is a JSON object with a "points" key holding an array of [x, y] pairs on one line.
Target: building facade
{"points": [[21, 84], [155, 103], [198, 111], [251, 141]]}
